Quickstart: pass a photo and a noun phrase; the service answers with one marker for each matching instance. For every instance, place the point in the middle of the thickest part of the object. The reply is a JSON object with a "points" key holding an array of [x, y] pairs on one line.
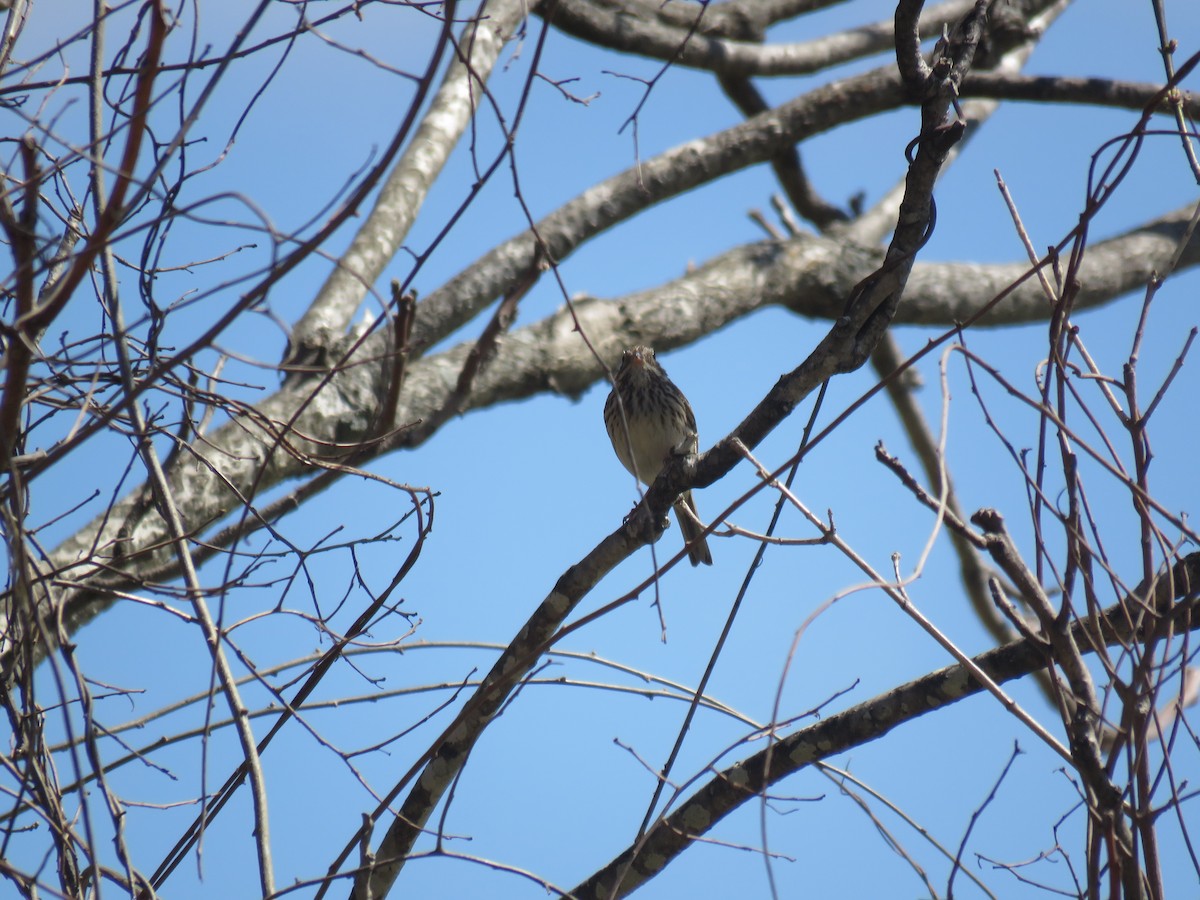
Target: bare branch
{"points": [[870, 720], [404, 190], [613, 26]]}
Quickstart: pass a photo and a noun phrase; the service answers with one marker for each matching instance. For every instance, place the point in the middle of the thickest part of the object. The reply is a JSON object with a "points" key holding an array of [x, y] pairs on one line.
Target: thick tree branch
{"points": [[745, 19], [1132, 95], [868, 721], [866, 315], [809, 275], [403, 192], [640, 187], [613, 26], [757, 140]]}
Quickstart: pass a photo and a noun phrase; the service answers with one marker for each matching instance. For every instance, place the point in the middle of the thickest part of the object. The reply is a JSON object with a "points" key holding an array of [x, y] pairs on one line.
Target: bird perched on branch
{"points": [[648, 421]]}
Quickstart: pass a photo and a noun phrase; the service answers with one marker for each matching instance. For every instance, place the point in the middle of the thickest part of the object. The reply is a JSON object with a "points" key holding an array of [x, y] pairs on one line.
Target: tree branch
{"points": [[860, 724], [613, 26], [866, 315], [809, 275], [403, 192]]}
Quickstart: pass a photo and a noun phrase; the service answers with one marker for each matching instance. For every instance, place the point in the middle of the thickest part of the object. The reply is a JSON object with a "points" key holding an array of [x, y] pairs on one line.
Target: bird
{"points": [[649, 420]]}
